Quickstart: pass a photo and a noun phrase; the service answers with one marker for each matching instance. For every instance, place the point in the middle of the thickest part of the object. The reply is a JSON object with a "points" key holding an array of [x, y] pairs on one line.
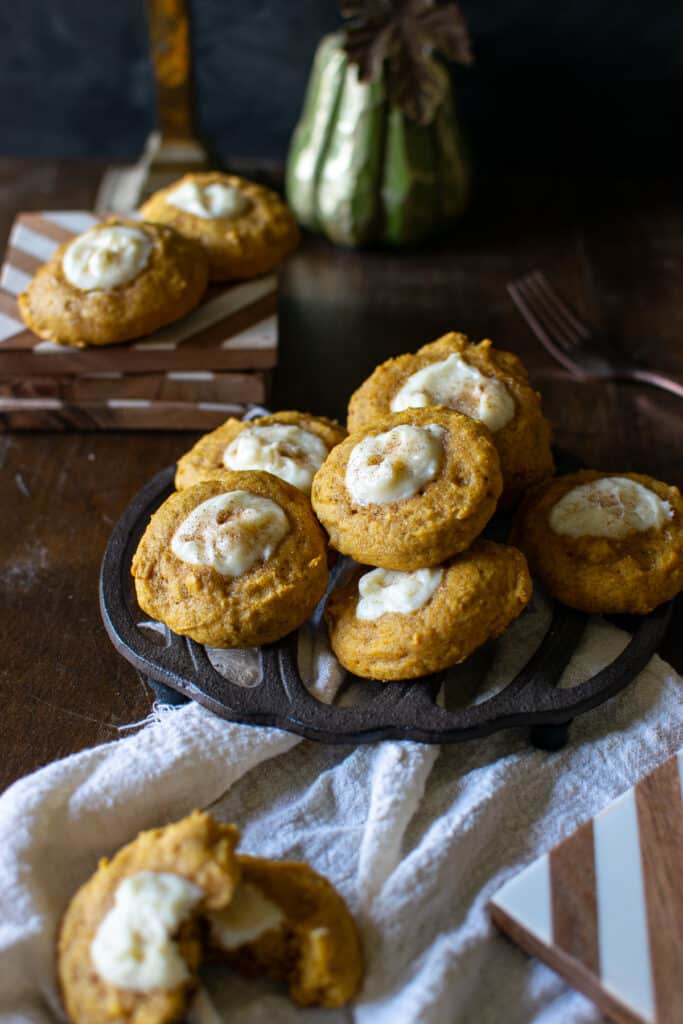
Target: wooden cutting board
{"points": [[605, 907], [233, 328]]}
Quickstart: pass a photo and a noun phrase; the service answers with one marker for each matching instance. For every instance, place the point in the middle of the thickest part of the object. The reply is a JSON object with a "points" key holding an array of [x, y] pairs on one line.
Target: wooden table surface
{"points": [[614, 248]]}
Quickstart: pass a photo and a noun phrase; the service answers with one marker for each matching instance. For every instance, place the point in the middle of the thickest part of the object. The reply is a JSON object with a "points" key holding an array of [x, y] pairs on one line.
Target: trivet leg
{"points": [[550, 737], [165, 695]]}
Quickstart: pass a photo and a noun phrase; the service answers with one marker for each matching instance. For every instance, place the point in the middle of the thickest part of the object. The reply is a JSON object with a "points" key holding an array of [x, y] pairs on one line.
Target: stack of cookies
{"points": [[162, 290], [237, 557], [438, 441]]}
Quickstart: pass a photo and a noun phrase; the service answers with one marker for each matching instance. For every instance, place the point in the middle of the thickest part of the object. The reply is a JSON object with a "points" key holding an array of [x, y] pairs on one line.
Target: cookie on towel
{"points": [[129, 945], [119, 280], [481, 381], [234, 561], [244, 228], [398, 625], [604, 542], [291, 445], [288, 922], [409, 491]]}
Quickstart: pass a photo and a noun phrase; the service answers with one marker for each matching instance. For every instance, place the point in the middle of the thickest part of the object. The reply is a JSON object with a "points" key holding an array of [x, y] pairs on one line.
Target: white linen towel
{"points": [[416, 838]]}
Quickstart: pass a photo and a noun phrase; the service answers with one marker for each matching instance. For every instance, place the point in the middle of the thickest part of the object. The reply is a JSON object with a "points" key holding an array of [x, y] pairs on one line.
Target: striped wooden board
{"points": [[175, 400], [172, 386], [114, 414], [605, 908], [233, 328]]}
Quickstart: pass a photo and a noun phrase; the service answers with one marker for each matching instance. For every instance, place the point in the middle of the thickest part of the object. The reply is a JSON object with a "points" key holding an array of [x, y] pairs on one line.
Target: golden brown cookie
{"points": [[604, 542], [312, 945], [245, 228], [119, 280], [195, 850], [409, 491], [234, 561], [480, 381], [291, 445], [403, 625]]}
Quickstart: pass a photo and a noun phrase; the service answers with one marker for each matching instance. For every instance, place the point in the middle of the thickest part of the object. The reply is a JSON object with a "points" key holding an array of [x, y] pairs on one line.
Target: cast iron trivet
{"points": [[398, 710]]}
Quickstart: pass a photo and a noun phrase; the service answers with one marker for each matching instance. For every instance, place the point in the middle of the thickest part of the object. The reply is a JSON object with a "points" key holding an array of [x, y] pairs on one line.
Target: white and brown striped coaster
{"points": [[175, 400], [605, 907], [233, 328], [172, 386], [55, 414]]}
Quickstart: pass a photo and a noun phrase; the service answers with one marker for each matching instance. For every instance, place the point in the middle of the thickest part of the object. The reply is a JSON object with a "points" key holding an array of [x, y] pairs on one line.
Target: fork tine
{"points": [[562, 331], [518, 296], [568, 314], [559, 332], [538, 323]]}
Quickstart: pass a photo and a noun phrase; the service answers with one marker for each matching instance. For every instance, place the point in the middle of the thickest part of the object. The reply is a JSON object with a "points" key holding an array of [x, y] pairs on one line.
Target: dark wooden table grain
{"points": [[614, 248]]}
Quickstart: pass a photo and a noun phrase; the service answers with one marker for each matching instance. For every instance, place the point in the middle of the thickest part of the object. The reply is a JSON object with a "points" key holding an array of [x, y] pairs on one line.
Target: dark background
{"points": [[585, 87]]}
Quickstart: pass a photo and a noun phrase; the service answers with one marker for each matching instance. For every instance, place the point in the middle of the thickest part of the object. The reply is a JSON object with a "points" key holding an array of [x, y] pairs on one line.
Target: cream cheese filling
{"points": [[105, 257], [456, 384], [248, 915], [611, 507], [133, 946], [285, 450], [384, 590], [395, 464], [211, 201], [230, 533]]}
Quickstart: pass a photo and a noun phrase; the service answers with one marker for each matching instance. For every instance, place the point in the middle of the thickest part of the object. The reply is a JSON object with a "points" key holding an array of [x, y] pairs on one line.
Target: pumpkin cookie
{"points": [[119, 280], [245, 228], [483, 382], [409, 491], [399, 625], [291, 445], [604, 542], [290, 923], [234, 561], [128, 946]]}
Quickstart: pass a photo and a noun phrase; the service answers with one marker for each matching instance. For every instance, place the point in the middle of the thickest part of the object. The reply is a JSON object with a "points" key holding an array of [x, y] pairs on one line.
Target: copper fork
{"points": [[582, 349]]}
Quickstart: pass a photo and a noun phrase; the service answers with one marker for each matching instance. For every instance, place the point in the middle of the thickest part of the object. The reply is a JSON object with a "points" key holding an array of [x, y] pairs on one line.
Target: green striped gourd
{"points": [[359, 171]]}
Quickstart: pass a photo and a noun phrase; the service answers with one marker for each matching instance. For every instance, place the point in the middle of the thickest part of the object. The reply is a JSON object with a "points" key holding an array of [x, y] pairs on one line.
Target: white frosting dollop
{"points": [[133, 946], [248, 915], [231, 532], [611, 507], [285, 450], [385, 590], [394, 465], [457, 385], [211, 201], [106, 257]]}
